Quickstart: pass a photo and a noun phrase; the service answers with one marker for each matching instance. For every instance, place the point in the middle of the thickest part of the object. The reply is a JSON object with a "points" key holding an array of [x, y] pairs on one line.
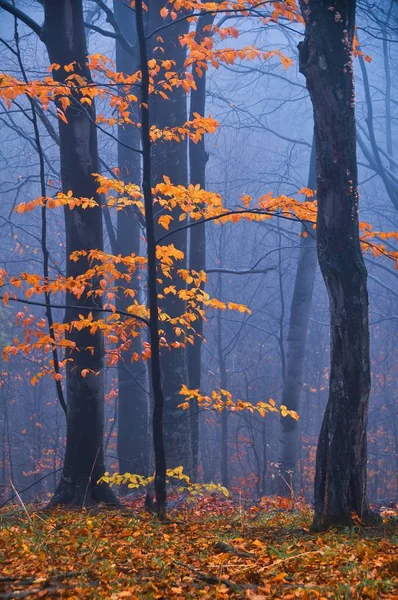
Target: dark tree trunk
{"points": [[63, 34], [326, 62], [171, 159], [197, 244], [133, 424], [156, 374], [296, 344]]}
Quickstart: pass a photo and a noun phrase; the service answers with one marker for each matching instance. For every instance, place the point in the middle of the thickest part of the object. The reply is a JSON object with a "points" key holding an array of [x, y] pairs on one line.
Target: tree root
{"points": [[82, 493]]}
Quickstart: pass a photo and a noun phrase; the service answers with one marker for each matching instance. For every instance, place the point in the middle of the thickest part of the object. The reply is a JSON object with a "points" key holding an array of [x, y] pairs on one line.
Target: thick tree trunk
{"points": [[296, 343], [133, 424], [63, 34], [326, 62], [171, 159], [197, 243]]}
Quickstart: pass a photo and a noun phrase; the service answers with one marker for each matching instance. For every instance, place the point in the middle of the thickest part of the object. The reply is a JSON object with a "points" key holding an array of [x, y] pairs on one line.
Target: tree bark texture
{"points": [[133, 425], [295, 352], [156, 374], [326, 62], [197, 242], [64, 35], [171, 159]]}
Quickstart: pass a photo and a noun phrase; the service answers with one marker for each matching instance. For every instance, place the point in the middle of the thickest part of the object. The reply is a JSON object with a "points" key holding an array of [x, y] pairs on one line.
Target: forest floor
{"points": [[211, 549]]}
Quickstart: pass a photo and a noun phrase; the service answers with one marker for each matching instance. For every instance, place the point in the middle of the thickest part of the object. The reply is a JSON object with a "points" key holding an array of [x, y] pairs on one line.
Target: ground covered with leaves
{"points": [[211, 549]]}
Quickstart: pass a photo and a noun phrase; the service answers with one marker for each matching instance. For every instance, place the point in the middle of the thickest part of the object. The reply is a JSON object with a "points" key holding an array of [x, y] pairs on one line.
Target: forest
{"points": [[198, 299]]}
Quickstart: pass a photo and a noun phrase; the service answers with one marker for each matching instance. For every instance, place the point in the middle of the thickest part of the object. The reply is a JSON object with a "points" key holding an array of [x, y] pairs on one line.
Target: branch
{"points": [[391, 191], [233, 11], [43, 241], [76, 307], [29, 486], [117, 35], [243, 272], [19, 14], [226, 214], [236, 587], [103, 32]]}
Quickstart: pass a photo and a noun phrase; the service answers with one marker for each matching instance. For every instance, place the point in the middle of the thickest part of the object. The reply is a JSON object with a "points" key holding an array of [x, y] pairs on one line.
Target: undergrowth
{"points": [[209, 549]]}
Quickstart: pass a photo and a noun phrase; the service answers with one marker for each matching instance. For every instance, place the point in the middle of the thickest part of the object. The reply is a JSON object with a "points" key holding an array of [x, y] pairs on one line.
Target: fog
{"points": [[263, 145]]}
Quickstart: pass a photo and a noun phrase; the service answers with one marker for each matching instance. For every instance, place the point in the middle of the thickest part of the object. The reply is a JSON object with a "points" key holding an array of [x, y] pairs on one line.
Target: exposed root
{"points": [[81, 492]]}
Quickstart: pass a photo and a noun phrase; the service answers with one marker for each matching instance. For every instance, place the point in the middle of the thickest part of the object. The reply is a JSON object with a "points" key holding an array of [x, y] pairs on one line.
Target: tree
{"points": [[64, 37], [197, 242], [326, 62], [84, 459], [163, 208], [296, 343], [173, 164], [132, 435]]}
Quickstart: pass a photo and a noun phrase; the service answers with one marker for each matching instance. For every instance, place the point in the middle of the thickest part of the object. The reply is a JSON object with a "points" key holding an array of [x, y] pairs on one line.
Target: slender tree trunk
{"points": [[326, 62], [171, 159], [197, 243], [63, 34], [223, 384], [387, 101], [156, 373], [132, 438], [296, 343]]}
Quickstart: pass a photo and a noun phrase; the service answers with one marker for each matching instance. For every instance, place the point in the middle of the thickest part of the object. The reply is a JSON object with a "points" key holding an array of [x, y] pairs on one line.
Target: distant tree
{"points": [[300, 309], [197, 242], [172, 163], [133, 401], [166, 207]]}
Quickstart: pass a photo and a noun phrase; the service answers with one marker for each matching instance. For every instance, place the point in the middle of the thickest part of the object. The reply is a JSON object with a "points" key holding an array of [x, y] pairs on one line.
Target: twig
{"points": [[231, 550], [21, 501], [29, 593], [89, 479], [215, 580], [282, 560], [29, 486], [55, 577]]}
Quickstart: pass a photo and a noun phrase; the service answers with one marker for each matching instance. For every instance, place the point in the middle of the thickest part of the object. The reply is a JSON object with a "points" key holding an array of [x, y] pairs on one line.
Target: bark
{"points": [[326, 62], [170, 158], [63, 34], [156, 373], [133, 425], [295, 354], [197, 244]]}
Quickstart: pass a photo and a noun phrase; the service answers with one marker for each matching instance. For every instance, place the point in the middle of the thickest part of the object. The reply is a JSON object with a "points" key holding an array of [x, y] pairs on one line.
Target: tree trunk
{"points": [[171, 159], [296, 342], [197, 242], [224, 450], [156, 373], [132, 439], [63, 34], [326, 62]]}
